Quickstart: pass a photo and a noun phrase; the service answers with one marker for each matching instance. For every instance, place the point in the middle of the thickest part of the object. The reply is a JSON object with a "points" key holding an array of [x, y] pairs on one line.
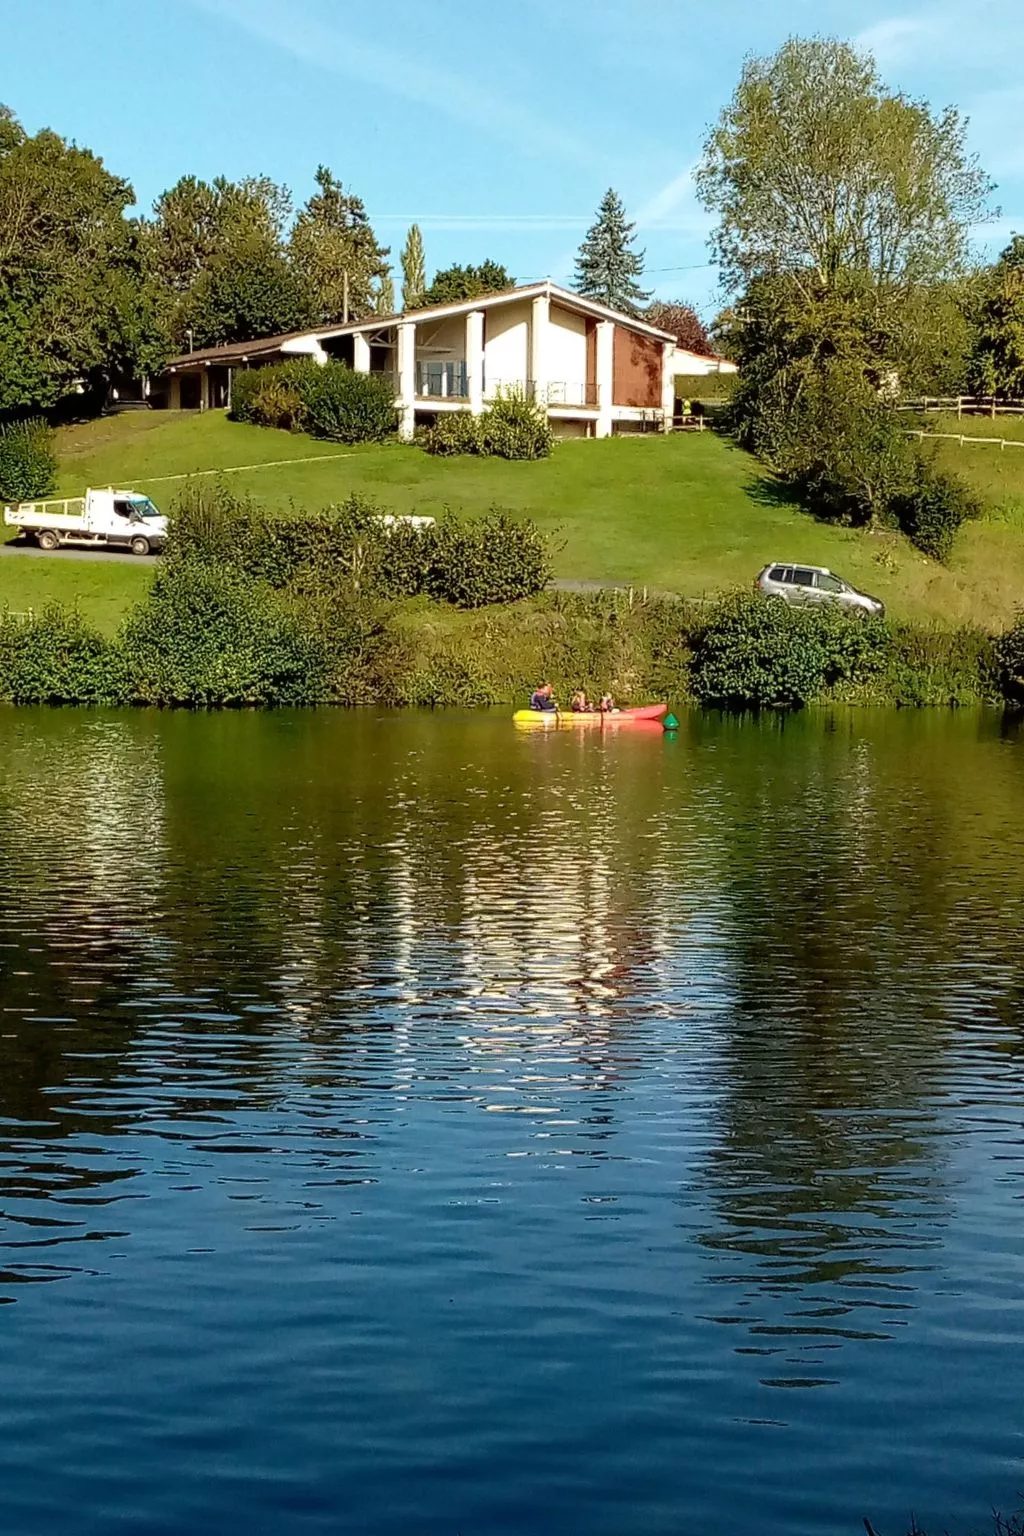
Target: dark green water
{"points": [[409, 1126]]}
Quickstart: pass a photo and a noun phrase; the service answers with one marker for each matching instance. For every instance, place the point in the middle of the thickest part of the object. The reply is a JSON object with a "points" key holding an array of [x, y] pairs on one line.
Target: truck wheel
{"points": [[140, 546], [47, 539]]}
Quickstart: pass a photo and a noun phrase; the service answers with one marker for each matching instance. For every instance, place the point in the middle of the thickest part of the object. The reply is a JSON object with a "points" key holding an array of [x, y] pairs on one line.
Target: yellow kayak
{"points": [[648, 714]]}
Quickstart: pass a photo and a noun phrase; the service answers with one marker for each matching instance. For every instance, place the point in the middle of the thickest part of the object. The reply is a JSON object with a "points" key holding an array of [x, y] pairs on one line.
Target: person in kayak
{"points": [[543, 698], [580, 703], [607, 704]]}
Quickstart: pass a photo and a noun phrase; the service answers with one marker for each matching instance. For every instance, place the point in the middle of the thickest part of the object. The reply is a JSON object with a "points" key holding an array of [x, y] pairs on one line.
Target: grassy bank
{"points": [[689, 514]]}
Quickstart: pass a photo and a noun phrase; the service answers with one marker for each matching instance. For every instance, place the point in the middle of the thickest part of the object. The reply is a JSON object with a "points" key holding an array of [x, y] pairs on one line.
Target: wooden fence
{"points": [[964, 405], [964, 439]]}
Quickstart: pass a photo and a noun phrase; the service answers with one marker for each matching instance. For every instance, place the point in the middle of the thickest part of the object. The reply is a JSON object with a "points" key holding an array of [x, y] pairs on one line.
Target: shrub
{"points": [[455, 432], [212, 636], [1010, 662], [344, 406], [28, 460], [752, 652], [55, 658], [332, 402], [354, 552], [933, 511], [494, 560], [516, 427], [939, 667]]}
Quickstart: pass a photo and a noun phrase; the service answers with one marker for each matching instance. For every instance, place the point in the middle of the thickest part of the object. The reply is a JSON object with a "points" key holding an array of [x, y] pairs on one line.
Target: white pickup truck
{"points": [[119, 519]]}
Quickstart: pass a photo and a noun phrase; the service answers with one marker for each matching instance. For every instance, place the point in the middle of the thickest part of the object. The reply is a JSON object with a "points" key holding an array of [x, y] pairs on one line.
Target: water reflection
{"points": [[716, 1024]]}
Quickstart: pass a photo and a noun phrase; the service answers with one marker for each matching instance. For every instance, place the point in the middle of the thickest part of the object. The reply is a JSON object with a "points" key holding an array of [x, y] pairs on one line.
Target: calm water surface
{"points": [[410, 1126]]}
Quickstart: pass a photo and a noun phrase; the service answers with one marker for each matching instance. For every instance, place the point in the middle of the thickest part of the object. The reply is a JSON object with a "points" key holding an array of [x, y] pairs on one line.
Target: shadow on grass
{"points": [[768, 491]]}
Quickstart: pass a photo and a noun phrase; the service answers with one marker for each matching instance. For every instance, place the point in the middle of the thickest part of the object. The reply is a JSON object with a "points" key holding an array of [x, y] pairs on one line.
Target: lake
{"points": [[408, 1125]]}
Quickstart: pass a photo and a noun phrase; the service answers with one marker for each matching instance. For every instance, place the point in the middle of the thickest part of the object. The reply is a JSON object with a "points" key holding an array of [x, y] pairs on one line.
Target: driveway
{"points": [[19, 551]]}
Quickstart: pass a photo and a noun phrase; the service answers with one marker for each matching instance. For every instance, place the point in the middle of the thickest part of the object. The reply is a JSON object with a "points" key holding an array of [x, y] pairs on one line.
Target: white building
{"points": [[595, 370]]}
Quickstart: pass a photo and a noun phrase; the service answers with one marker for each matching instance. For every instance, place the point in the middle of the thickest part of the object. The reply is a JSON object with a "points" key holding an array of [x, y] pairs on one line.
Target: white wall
{"points": [[694, 363], [506, 345], [566, 352], [441, 341]]}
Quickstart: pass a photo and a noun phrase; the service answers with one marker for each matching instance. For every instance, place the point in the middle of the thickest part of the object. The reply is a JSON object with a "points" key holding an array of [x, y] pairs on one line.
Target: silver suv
{"points": [[816, 584]]}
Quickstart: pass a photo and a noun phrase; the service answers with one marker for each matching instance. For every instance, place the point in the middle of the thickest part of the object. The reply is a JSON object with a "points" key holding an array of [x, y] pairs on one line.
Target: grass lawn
{"points": [[102, 590], [686, 513]]}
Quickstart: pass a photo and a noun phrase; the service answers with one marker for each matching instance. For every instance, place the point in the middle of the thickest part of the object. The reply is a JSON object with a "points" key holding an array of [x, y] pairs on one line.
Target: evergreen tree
{"points": [[607, 267], [335, 251], [414, 272], [385, 302]]}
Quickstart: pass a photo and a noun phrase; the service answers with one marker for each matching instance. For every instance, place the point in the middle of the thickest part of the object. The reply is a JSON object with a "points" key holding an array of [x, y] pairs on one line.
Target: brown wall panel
{"points": [[636, 369]]}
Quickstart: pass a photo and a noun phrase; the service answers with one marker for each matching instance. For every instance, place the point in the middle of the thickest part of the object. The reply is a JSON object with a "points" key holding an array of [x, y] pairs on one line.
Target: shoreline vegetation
{"points": [[348, 608]]}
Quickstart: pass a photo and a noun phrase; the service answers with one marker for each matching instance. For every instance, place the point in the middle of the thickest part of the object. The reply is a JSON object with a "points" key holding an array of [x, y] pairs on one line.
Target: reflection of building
{"points": [[595, 370]]}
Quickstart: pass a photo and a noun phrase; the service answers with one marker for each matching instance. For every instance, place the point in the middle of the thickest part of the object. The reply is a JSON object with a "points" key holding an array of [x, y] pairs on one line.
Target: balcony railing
{"points": [[556, 392], [442, 381]]}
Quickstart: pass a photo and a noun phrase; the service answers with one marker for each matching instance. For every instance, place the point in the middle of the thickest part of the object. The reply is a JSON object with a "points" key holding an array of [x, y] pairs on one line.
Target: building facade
{"points": [[595, 371]]}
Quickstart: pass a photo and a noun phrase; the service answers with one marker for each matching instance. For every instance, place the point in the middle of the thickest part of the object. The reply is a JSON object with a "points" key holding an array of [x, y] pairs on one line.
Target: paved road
{"points": [[20, 551]]}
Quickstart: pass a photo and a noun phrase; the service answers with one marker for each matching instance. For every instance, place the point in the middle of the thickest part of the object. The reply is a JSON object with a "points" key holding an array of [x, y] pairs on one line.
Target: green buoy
{"points": [[670, 723]]}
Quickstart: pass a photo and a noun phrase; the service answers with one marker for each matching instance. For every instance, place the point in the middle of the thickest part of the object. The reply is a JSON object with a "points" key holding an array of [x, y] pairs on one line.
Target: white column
{"points": [[540, 319], [605, 358], [475, 359], [204, 390], [668, 385], [407, 379], [360, 353]]}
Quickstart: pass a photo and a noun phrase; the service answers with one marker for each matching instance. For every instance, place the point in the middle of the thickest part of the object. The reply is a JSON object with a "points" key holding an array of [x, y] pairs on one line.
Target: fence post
{"points": [[993, 407], [959, 407]]}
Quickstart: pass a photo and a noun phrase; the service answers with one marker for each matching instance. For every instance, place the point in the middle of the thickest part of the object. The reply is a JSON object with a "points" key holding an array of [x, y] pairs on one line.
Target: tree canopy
{"points": [[72, 310], [684, 323], [335, 252], [455, 284], [816, 170], [608, 269], [997, 367]]}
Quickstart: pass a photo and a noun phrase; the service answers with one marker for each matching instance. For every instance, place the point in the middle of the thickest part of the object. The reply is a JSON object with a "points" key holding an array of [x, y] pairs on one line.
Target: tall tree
{"points": [[334, 249], [453, 285], [72, 307], [384, 302], [608, 269], [414, 272], [817, 171], [684, 323], [844, 217]]}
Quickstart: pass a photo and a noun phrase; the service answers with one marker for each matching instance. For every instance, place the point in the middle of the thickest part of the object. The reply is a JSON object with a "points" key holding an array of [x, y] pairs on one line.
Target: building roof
{"points": [[246, 351]]}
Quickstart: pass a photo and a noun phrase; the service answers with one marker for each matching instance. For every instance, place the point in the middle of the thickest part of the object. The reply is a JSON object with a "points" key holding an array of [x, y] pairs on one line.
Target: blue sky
{"points": [[496, 127]]}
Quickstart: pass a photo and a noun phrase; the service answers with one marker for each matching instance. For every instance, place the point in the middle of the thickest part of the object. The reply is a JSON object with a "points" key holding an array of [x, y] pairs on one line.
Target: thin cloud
{"points": [[898, 38], [439, 89]]}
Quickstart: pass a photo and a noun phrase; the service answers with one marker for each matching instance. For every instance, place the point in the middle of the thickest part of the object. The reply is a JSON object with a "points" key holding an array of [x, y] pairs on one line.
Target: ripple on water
{"points": [[406, 1127]]}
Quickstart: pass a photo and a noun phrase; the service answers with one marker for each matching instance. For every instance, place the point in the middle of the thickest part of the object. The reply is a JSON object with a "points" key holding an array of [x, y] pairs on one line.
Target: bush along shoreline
{"points": [[354, 607]]}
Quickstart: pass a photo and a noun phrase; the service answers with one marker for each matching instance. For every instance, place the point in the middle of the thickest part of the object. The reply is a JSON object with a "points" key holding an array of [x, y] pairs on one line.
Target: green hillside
{"points": [[687, 513]]}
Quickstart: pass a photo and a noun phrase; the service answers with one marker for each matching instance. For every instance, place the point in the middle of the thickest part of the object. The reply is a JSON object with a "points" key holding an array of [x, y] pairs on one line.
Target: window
{"points": [[803, 578], [780, 573], [828, 583]]}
